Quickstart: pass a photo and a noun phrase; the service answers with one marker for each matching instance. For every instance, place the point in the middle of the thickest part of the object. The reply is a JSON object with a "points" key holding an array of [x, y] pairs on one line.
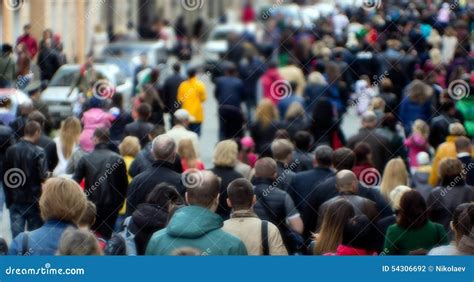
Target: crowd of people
{"points": [[285, 178]]}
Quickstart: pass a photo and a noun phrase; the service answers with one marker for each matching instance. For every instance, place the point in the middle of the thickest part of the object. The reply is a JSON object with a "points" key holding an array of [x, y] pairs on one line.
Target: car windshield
{"points": [[65, 77]]}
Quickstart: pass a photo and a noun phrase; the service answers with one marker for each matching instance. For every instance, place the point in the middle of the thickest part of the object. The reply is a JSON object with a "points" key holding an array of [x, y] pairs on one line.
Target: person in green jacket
{"points": [[197, 226], [413, 233], [466, 107]]}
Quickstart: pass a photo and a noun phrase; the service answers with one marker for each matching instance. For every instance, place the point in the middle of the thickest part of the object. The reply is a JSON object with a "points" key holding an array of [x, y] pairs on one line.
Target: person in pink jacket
{"points": [[274, 86], [92, 119], [418, 141]]}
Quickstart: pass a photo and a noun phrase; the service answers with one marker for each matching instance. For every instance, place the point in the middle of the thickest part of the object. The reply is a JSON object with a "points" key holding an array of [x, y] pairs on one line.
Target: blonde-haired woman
{"points": [[394, 174], [188, 155], [295, 119], [265, 125], [225, 159], [67, 143], [129, 149], [62, 203]]}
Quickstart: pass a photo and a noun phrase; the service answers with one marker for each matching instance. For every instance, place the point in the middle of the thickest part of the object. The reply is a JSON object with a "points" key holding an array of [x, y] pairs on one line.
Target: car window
{"points": [[64, 77]]}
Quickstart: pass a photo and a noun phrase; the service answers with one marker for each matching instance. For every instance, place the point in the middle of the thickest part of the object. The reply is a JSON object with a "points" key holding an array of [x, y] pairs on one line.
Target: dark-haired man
{"points": [[260, 237], [25, 169], [197, 225], [106, 181], [141, 127]]}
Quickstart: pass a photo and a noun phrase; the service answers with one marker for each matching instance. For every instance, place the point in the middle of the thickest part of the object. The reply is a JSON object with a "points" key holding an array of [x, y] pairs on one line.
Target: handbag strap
{"points": [[265, 247]]}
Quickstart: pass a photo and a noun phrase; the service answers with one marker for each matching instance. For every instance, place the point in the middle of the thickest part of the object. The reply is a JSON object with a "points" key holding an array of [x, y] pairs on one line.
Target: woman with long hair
{"points": [[394, 174], [265, 125], [67, 143], [188, 155], [329, 236], [295, 119], [413, 233]]}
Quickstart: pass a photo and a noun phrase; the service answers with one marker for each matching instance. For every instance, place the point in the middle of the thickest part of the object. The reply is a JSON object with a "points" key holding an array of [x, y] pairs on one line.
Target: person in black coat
{"points": [[106, 182], [342, 158], [141, 127], [439, 125], [303, 144], [162, 170], [45, 142], [377, 142], [225, 159], [464, 151], [48, 61], [25, 170], [303, 182], [153, 215], [452, 192], [170, 90]]}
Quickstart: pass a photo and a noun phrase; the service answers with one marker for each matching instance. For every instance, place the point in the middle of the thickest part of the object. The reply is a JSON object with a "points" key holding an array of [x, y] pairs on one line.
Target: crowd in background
{"points": [[285, 177]]}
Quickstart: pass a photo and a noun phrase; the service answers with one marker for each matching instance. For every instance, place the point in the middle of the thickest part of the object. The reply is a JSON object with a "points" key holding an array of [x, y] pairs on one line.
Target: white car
{"points": [[217, 44], [61, 104]]}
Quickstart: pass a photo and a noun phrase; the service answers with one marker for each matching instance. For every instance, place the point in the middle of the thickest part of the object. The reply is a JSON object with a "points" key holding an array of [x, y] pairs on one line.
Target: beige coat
{"points": [[247, 226]]}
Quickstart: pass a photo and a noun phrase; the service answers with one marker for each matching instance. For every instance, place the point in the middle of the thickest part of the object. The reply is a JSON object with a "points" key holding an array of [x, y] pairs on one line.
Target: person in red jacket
{"points": [[29, 41]]}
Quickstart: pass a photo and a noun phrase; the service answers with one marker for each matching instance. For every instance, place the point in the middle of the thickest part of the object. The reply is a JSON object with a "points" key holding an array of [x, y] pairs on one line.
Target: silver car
{"points": [[61, 100]]}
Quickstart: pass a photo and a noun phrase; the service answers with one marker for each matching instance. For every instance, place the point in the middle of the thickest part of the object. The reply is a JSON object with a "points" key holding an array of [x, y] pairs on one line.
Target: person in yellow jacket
{"points": [[446, 150], [191, 96]]}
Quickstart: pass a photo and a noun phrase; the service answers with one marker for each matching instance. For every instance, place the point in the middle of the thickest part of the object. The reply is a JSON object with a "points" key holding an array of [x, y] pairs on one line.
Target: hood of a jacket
{"points": [[149, 217], [193, 222], [95, 116]]}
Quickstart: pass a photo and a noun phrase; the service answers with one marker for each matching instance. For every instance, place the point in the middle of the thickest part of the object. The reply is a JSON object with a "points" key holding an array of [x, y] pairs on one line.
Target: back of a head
{"points": [[206, 192], [362, 151], [265, 168], [302, 140], [62, 199], [423, 158], [345, 180], [192, 73], [450, 169], [358, 233], [281, 149], [463, 144], [164, 148], [369, 119], [457, 129], [396, 194], [144, 111], [164, 195], [412, 213], [32, 128], [77, 242], [88, 216], [176, 67], [38, 117], [240, 194], [343, 158], [323, 155], [102, 135], [225, 153]]}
